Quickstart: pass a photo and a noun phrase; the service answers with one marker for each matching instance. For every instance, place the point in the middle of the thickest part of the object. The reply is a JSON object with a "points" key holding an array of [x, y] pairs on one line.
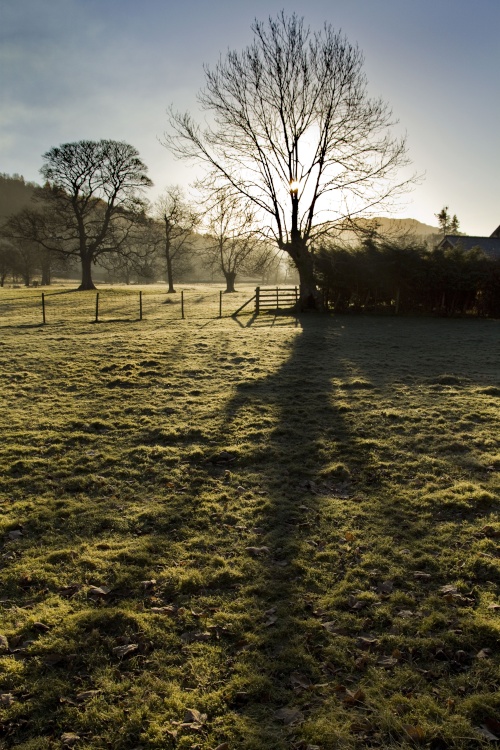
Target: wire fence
{"points": [[106, 305]]}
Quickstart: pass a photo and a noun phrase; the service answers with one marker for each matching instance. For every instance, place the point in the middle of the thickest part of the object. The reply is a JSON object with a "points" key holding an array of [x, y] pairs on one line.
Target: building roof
{"points": [[489, 245]]}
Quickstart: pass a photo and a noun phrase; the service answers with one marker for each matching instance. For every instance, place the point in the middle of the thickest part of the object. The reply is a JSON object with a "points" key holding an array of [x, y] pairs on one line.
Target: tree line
{"points": [[408, 276], [91, 210]]}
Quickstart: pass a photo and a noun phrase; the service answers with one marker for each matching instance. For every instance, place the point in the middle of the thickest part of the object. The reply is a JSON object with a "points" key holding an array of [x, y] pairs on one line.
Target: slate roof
{"points": [[489, 245]]}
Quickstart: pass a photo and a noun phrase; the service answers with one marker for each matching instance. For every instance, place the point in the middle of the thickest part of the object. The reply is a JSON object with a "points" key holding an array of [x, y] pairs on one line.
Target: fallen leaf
{"points": [[87, 694], [386, 587], [122, 651], [257, 551], [349, 536], [353, 696], [193, 716], [485, 732], [69, 738], [330, 626], [387, 661], [415, 733], [355, 603], [493, 605], [168, 610], [364, 642], [98, 591], [485, 653], [450, 589], [289, 715], [299, 681]]}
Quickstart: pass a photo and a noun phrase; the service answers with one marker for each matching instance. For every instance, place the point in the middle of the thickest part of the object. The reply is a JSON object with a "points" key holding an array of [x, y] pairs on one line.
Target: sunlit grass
{"points": [[231, 519]]}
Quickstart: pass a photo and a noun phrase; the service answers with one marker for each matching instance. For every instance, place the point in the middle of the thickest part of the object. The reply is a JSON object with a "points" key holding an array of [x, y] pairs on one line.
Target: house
{"points": [[489, 245]]}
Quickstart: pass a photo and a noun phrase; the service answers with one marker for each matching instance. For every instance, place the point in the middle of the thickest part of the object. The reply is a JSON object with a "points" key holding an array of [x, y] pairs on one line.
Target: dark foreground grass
{"points": [[280, 535]]}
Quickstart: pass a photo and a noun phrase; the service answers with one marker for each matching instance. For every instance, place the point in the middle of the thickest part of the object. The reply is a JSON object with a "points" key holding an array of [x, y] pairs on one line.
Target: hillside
{"points": [[15, 194]]}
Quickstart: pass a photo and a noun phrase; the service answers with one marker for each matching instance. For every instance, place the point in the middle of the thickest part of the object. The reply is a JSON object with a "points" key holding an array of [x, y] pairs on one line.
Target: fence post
{"points": [[277, 298], [140, 305], [296, 297], [182, 304], [220, 303], [97, 308], [43, 307], [257, 300]]}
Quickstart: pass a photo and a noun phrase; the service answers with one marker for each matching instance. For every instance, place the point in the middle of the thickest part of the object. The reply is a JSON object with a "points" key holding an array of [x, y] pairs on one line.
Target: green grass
{"points": [[240, 518]]}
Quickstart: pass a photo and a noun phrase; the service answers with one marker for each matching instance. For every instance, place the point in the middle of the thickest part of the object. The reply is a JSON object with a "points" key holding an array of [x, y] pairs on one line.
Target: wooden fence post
{"points": [[257, 294], [296, 297], [220, 303], [182, 304], [97, 308], [140, 305], [43, 307], [277, 298]]}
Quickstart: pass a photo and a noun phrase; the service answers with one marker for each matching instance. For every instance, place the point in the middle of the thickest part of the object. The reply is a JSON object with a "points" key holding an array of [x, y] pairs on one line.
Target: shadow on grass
{"points": [[316, 483]]}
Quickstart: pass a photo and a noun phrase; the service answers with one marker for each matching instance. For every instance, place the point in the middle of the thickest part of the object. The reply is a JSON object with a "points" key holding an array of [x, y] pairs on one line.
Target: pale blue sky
{"points": [[74, 69]]}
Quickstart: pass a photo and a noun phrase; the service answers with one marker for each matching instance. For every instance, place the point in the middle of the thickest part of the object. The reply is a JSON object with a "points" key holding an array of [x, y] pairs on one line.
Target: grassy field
{"points": [[267, 534]]}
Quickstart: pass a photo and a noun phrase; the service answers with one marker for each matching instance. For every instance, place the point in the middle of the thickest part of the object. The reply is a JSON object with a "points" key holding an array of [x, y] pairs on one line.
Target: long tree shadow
{"points": [[316, 470]]}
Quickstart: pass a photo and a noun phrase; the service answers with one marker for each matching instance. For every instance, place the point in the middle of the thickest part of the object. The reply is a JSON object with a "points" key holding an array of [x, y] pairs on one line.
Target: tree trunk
{"points": [[309, 296], [170, 276], [87, 282], [230, 279]]}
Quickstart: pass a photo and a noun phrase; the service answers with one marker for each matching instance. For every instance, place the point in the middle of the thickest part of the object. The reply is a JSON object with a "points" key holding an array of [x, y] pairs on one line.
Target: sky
{"points": [[92, 69]]}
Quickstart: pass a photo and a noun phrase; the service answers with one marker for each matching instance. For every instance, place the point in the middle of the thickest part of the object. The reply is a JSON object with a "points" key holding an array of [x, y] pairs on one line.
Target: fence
{"points": [[58, 306]]}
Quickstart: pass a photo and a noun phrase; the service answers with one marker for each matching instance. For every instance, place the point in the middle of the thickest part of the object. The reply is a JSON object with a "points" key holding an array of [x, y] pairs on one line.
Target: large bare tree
{"points": [[292, 128], [91, 201]]}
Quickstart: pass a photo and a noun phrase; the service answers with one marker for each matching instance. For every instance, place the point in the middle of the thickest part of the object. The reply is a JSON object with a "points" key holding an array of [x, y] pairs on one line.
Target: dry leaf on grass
{"points": [[122, 651], [69, 739], [87, 695], [167, 610], [415, 733], [300, 681], [289, 716], [194, 718], [257, 551], [487, 734], [98, 591]]}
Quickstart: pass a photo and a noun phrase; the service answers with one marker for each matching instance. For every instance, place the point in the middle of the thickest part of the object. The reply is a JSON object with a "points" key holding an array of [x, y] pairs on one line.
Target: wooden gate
{"points": [[273, 298]]}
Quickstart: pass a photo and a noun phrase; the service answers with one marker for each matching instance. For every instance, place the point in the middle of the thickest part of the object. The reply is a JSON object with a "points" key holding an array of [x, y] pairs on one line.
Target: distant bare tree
{"points": [[232, 244], [294, 131], [179, 221]]}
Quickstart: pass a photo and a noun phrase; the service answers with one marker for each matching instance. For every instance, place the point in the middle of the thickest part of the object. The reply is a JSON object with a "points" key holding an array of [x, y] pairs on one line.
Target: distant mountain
{"points": [[390, 226]]}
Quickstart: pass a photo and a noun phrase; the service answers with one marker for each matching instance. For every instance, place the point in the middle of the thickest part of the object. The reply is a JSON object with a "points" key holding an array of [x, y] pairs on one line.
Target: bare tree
{"points": [[294, 131], [91, 200], [232, 245], [179, 221]]}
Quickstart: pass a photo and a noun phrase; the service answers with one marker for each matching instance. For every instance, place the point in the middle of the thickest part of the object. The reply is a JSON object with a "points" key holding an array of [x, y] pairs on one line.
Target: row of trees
{"points": [[408, 277], [91, 210]]}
